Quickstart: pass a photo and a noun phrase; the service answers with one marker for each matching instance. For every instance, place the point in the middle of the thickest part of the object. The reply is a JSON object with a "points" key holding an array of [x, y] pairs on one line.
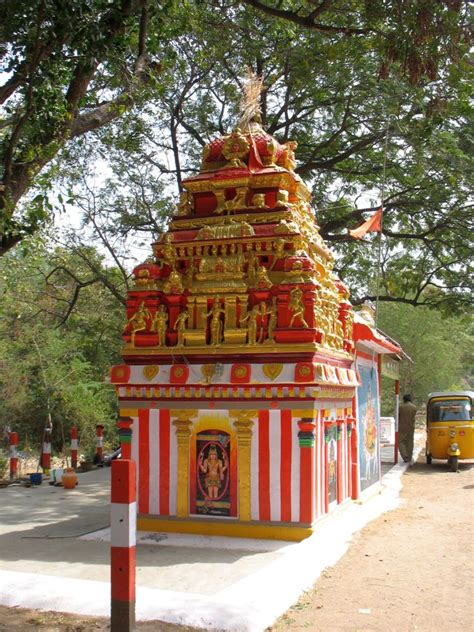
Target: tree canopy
{"points": [[376, 94], [56, 354]]}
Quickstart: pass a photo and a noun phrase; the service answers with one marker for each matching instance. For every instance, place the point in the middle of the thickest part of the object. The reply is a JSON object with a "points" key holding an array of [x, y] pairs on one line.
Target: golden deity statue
{"points": [[252, 267], [279, 247], [137, 321], [185, 205], [168, 251], [288, 160], [216, 326], [174, 284], [296, 306], [180, 326], [272, 320], [160, 324], [252, 324], [262, 281], [258, 200]]}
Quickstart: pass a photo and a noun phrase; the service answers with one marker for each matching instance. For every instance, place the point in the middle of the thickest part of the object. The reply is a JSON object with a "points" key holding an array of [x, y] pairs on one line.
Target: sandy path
{"points": [[411, 569]]}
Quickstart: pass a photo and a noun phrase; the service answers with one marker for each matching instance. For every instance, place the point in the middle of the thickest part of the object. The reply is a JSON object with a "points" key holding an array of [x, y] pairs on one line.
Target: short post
{"points": [[99, 443], [74, 447], [397, 403], [123, 527], [46, 454], [13, 442], [125, 435]]}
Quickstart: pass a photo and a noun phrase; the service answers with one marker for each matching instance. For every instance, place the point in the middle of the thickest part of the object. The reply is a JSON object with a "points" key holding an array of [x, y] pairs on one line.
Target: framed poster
{"points": [[332, 463], [213, 473], [369, 426]]}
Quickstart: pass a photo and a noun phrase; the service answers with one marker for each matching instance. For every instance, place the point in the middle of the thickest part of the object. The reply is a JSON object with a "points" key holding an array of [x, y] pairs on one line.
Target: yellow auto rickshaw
{"points": [[450, 427]]}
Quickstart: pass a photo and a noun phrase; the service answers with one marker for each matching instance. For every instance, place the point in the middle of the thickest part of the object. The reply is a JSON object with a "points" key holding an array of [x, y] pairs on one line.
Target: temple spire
{"points": [[250, 107]]}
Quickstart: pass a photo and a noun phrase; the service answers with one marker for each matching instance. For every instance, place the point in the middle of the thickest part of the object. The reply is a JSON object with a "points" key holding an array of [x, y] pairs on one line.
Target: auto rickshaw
{"points": [[450, 427]]}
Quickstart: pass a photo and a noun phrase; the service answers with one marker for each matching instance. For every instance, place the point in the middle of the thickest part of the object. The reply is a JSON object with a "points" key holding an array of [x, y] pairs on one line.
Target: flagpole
{"points": [[382, 201]]}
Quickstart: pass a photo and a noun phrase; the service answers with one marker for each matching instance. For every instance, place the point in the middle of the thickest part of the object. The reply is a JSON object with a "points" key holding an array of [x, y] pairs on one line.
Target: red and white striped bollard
{"points": [[123, 530], [74, 447], [46, 454]]}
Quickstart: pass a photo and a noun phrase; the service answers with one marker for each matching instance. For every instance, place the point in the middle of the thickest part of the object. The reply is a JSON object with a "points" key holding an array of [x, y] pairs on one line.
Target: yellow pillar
{"points": [[183, 424], [243, 426]]}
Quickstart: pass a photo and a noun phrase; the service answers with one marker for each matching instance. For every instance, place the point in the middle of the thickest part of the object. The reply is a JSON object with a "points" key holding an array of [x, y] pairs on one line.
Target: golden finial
{"points": [[250, 108]]}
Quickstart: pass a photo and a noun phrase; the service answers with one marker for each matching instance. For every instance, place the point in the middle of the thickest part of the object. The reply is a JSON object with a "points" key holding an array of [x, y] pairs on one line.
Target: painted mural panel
{"points": [[332, 463], [369, 427], [213, 473]]}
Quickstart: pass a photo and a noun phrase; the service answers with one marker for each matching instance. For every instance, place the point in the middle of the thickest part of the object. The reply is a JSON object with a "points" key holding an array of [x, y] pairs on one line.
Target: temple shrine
{"points": [[239, 384]]}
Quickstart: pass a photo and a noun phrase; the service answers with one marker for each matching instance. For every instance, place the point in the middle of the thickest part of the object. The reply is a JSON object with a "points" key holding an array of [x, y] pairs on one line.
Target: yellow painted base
{"points": [[197, 526]]}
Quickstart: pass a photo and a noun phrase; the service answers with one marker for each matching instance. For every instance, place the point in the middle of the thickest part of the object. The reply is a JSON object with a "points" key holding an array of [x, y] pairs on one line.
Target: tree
{"points": [[375, 94], [439, 348], [59, 335], [71, 67]]}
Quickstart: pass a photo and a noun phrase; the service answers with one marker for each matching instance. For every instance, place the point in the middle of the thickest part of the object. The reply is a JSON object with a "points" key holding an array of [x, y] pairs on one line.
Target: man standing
{"points": [[406, 428]]}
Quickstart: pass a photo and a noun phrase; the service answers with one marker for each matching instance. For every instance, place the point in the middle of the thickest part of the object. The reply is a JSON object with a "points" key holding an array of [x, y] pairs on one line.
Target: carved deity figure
{"points": [[216, 326], [186, 204], [258, 200], [180, 326], [252, 267], [272, 320], [138, 321], [173, 284], [296, 306], [189, 274], [279, 247], [168, 252], [252, 324], [263, 282], [160, 324], [288, 160], [237, 202]]}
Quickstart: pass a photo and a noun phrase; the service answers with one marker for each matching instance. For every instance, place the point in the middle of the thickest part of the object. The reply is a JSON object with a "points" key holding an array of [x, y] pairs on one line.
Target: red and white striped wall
{"points": [[154, 448], [279, 488]]}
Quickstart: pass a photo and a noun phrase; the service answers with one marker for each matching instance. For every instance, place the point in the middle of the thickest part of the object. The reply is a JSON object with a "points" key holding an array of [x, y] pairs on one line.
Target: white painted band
{"points": [[74, 444], [100, 442], [123, 524], [46, 448], [12, 451]]}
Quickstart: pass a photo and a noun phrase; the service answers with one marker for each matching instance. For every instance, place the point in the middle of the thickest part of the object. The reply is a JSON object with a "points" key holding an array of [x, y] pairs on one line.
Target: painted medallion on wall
{"points": [[212, 473]]}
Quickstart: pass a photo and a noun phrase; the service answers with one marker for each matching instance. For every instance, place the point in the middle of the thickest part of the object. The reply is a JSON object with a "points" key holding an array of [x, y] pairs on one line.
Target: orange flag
{"points": [[373, 224]]}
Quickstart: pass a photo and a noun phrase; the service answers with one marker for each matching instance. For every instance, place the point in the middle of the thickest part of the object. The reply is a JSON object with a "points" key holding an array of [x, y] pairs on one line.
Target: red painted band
{"points": [[264, 464], [123, 572], [164, 458], [285, 465], [144, 461], [123, 481]]}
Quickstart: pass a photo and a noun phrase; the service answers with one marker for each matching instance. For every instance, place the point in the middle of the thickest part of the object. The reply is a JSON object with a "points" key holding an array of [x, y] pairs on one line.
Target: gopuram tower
{"points": [[237, 381]]}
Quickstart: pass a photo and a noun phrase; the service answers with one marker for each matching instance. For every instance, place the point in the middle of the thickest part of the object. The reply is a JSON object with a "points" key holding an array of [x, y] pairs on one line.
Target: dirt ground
{"points": [[411, 569]]}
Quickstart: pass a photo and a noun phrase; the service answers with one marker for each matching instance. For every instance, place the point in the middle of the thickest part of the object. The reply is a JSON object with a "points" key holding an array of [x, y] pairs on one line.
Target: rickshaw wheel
{"points": [[429, 458], [453, 463]]}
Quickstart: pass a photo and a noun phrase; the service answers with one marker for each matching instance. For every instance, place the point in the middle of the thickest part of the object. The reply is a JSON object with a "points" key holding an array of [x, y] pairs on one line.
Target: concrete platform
{"points": [[54, 555]]}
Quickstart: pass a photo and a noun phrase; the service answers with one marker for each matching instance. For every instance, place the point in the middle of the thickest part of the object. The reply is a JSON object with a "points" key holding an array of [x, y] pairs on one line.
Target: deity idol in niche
{"points": [[214, 469]]}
